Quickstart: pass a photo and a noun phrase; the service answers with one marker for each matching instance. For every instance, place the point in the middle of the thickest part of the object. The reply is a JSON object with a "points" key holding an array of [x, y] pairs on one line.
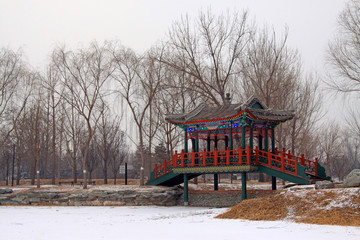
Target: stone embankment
{"points": [[125, 197], [121, 196]]}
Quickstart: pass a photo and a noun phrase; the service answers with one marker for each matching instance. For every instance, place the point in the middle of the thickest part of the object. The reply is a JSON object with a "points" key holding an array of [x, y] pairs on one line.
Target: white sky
{"points": [[37, 26]]}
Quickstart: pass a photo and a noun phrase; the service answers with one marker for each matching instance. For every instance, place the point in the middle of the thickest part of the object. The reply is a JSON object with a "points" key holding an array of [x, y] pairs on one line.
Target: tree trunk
{"points": [[105, 173], [33, 171], [7, 171], [59, 160], [85, 178], [115, 173], [142, 180], [74, 169], [106, 161], [53, 152], [18, 169]]}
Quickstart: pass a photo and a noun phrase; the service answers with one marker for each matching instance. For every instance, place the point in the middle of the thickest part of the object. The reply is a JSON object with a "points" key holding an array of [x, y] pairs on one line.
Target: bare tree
{"points": [[331, 148], [72, 135], [299, 134], [84, 74], [171, 98], [54, 101], [353, 122], [119, 151], [93, 158], [344, 60], [344, 50], [207, 50], [106, 138], [270, 70], [16, 83], [138, 88]]}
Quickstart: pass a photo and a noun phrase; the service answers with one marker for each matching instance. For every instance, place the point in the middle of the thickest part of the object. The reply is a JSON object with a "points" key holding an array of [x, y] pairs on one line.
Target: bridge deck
{"points": [[279, 164]]}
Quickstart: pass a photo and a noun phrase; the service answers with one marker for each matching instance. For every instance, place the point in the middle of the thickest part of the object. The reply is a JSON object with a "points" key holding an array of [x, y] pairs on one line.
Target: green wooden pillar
{"points": [[243, 131], [186, 190], [266, 140], [231, 147], [273, 140], [208, 144], [243, 186], [186, 141], [243, 136], [251, 139], [260, 142], [216, 182], [192, 144], [273, 183], [216, 186], [226, 142]]}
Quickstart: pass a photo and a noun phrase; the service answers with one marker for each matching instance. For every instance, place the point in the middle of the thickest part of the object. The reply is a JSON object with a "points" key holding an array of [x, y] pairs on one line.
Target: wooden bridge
{"points": [[244, 125], [281, 164]]}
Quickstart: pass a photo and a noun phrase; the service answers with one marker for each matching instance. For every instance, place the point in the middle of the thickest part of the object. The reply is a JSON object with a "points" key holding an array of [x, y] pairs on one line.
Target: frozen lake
{"points": [[160, 223]]}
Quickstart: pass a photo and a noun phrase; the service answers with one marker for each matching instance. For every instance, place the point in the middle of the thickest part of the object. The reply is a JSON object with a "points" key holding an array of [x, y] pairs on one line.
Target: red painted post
{"points": [[175, 159], [302, 160], [296, 169], [269, 158], [283, 162], [316, 166], [204, 157], [240, 155], [227, 156], [164, 166], [182, 158], [216, 157], [248, 158], [193, 158], [289, 155], [156, 170]]}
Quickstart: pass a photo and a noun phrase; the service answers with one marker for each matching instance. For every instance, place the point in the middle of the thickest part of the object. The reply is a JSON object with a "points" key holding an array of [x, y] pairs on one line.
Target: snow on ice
{"points": [[160, 223]]}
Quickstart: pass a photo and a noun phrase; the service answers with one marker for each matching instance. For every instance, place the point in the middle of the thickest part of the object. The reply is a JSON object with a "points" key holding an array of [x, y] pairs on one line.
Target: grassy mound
{"points": [[330, 207]]}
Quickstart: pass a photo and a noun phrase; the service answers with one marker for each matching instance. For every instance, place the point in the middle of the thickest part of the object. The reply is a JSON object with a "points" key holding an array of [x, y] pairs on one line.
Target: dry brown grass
{"points": [[266, 208], [329, 207]]}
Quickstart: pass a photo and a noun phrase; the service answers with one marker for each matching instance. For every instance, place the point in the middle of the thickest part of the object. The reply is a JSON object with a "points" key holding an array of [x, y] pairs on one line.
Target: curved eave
{"points": [[228, 118]]}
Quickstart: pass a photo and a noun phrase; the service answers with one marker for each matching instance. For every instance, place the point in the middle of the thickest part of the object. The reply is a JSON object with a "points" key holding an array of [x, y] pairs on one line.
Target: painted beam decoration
{"points": [[209, 118]]}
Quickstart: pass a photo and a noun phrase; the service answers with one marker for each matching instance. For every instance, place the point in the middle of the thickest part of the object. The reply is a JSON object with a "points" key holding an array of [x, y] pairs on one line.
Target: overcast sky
{"points": [[36, 26]]}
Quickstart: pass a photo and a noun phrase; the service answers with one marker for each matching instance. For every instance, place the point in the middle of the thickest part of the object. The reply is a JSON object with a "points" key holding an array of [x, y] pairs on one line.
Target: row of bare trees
{"points": [[66, 118], [56, 121], [341, 144]]}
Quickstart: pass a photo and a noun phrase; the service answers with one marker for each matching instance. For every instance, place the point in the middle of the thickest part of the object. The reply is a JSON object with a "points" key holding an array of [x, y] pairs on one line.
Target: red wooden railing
{"points": [[280, 160]]}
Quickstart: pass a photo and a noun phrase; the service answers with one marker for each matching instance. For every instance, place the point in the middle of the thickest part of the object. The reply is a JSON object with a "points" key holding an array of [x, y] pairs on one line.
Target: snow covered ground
{"points": [[170, 223]]}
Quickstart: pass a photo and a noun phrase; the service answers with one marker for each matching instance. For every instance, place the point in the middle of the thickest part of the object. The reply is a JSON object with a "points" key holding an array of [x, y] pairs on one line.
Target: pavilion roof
{"points": [[253, 106]]}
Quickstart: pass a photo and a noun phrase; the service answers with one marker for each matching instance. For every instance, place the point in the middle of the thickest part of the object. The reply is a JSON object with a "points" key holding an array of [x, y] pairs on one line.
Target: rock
{"points": [[352, 179], [6, 191], [301, 188], [324, 185]]}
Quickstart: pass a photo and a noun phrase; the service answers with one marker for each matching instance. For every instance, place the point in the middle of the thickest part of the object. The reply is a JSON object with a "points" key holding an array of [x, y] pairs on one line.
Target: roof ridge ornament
{"points": [[227, 99]]}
